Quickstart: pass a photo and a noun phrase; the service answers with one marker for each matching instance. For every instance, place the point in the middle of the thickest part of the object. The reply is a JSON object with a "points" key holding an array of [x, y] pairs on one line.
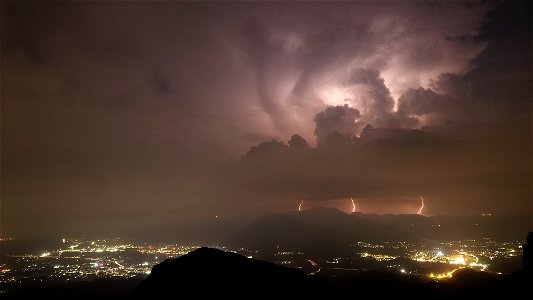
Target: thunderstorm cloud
{"points": [[161, 110]]}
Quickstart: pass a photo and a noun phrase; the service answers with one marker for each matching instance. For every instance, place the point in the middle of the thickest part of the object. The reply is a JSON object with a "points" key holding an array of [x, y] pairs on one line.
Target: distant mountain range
{"points": [[329, 226], [332, 229], [316, 229]]}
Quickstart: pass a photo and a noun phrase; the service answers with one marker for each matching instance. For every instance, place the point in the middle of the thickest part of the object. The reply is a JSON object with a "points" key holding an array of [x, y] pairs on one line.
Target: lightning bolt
{"points": [[300, 206], [422, 206], [353, 205]]}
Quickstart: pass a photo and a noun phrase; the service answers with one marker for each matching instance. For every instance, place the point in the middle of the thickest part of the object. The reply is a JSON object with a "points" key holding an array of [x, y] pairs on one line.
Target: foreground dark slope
{"points": [[215, 273]]}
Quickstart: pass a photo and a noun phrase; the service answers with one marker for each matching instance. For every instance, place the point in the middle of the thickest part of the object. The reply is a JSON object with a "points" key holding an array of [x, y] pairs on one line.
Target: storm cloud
{"points": [[164, 110], [340, 119]]}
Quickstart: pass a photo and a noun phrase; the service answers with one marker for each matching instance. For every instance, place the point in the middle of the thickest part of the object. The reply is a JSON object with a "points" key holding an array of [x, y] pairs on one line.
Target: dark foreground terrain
{"points": [[208, 272]]}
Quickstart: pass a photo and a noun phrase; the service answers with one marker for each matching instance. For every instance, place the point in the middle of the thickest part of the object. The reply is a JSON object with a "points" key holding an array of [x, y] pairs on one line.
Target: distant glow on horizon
{"points": [[300, 206], [422, 206], [353, 203]]}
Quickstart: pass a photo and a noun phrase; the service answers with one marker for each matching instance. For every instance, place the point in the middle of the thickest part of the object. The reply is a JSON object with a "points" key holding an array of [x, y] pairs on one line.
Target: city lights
{"points": [[81, 259]]}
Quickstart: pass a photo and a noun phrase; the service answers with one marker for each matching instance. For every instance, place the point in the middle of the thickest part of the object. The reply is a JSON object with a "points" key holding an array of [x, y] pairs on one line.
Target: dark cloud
{"points": [[451, 84], [256, 137], [424, 103], [340, 119], [298, 142], [389, 163], [372, 96], [161, 85], [265, 55], [142, 110]]}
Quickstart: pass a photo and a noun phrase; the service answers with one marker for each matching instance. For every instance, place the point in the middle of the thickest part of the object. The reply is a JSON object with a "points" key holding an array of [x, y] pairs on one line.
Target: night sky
{"points": [[118, 114]]}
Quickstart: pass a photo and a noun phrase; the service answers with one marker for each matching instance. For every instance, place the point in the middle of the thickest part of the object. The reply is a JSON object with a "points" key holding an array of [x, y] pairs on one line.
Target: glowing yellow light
{"points": [[300, 206], [439, 253], [482, 267], [442, 275], [353, 205], [45, 254], [458, 260]]}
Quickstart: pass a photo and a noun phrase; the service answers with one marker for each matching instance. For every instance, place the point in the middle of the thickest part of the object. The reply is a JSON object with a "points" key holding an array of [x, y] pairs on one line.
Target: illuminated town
{"points": [[81, 259]]}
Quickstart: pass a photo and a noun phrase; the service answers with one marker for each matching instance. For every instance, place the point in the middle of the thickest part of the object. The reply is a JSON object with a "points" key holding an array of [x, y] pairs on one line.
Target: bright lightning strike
{"points": [[422, 206], [300, 206], [353, 205]]}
